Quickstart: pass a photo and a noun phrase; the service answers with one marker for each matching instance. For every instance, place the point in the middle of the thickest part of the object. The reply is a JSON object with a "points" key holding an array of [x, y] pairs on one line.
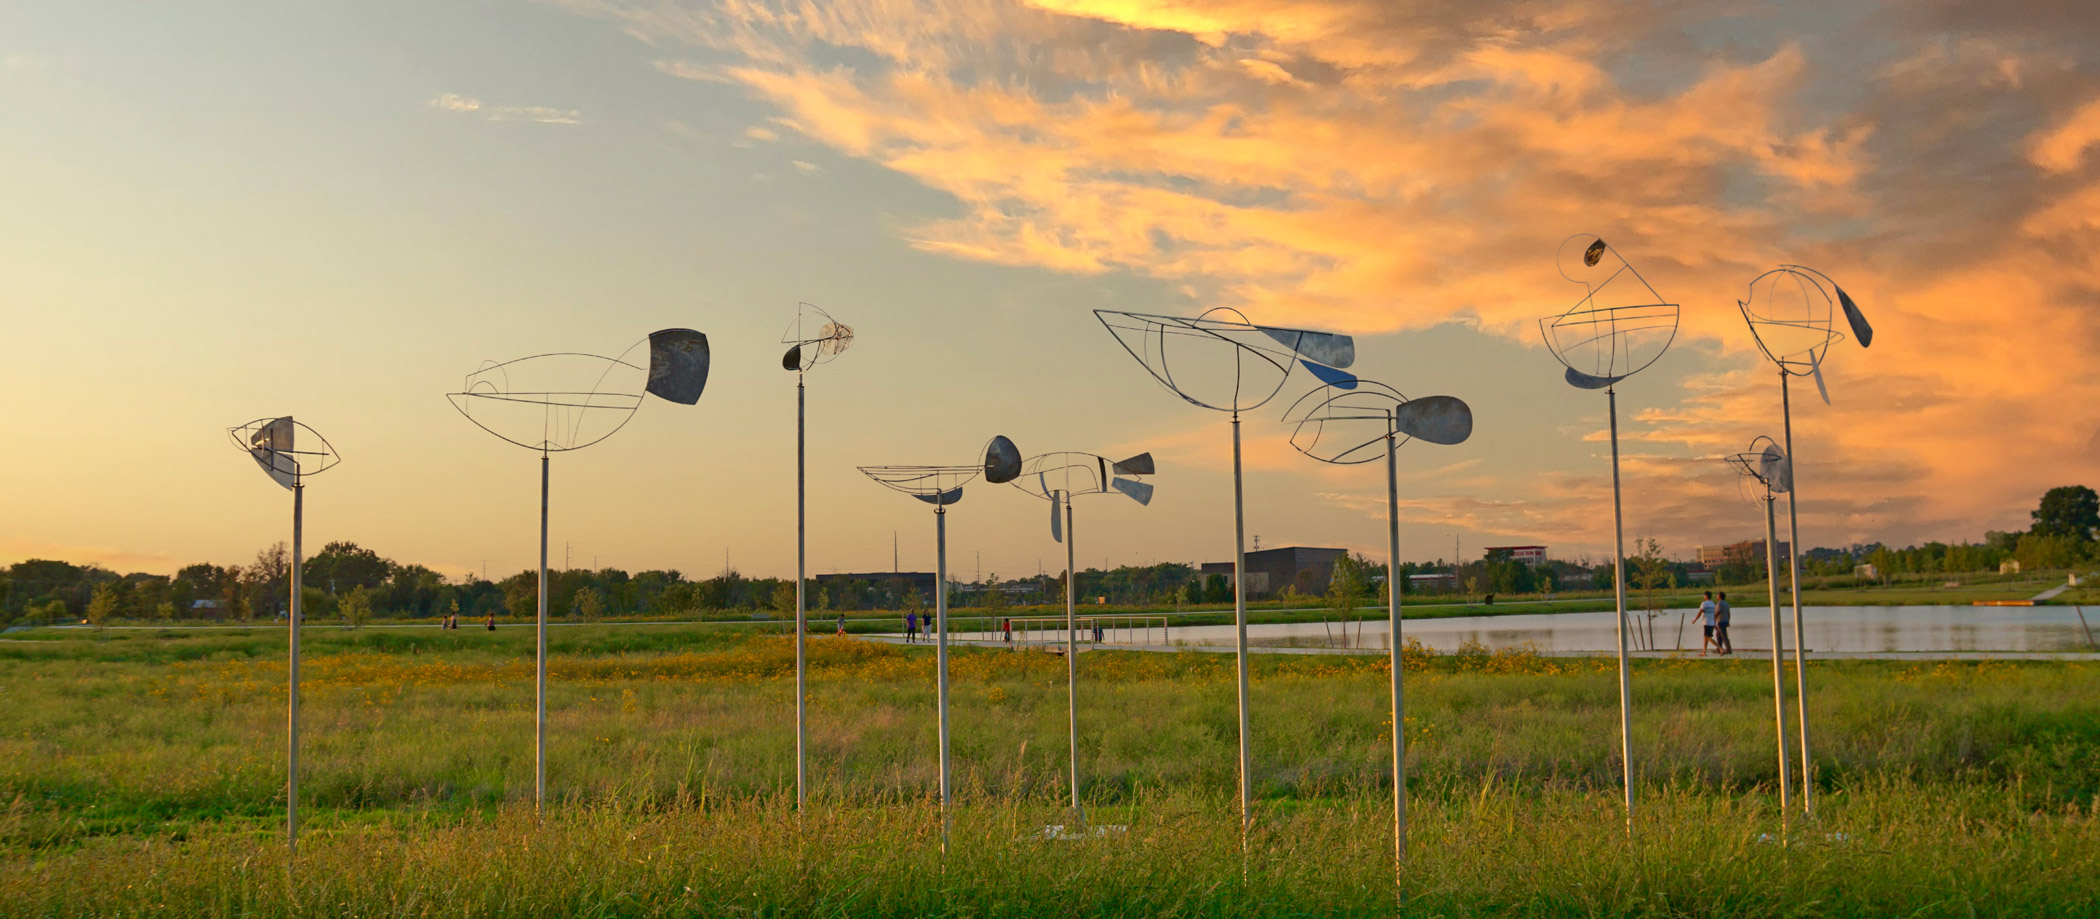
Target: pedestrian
{"points": [[1721, 642], [911, 626], [1707, 612], [842, 625], [1006, 627], [1097, 631], [492, 622]]}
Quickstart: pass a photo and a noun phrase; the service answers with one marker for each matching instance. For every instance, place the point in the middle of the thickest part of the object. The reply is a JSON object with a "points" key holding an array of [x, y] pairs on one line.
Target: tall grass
{"points": [[145, 775]]}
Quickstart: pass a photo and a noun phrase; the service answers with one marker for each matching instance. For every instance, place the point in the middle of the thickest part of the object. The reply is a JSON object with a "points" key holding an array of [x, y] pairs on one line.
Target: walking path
{"points": [[2051, 593], [1651, 655]]}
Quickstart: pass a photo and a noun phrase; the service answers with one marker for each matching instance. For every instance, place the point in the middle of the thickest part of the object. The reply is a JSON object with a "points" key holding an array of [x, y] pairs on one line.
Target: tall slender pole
{"points": [[1072, 654], [1793, 562], [539, 720], [1778, 652], [1239, 621], [801, 667], [1618, 588], [1392, 612], [291, 716], [940, 613]]}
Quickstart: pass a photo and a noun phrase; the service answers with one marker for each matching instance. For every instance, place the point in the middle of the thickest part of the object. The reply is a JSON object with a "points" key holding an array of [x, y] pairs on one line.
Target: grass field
{"points": [[143, 774]]}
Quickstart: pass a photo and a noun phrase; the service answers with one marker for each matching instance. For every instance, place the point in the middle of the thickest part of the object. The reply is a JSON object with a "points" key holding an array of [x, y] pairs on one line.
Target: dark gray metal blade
{"points": [[1580, 380], [678, 361], [1002, 461], [1436, 419], [1138, 491], [1860, 329], [793, 360], [1140, 464]]}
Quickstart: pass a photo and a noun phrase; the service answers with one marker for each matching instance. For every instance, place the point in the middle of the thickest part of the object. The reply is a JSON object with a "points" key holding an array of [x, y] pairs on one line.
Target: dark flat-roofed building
{"points": [[1269, 571]]}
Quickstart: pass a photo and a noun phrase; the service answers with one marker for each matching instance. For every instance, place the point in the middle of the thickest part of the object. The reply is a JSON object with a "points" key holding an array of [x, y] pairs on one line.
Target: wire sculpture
{"points": [[1620, 325], [275, 445], [1357, 425], [572, 401], [576, 400], [1772, 469], [1058, 478], [806, 349], [942, 486], [1231, 365], [1790, 313]]}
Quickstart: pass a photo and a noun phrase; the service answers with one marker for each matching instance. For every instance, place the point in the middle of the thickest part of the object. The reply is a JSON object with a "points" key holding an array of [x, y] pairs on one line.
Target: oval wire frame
{"points": [[1810, 288], [243, 436], [1327, 407], [827, 346], [1152, 329], [1595, 324], [548, 443]]}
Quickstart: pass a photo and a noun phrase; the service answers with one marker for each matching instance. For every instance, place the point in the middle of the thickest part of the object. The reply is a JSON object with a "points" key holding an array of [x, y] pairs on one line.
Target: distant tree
{"points": [[342, 565], [269, 579], [102, 606], [589, 606], [356, 607], [1345, 589], [1650, 571], [2071, 511], [784, 600], [994, 598]]}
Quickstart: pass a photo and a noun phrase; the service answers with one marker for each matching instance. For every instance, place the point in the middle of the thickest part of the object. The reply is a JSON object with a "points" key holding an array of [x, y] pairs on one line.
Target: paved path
{"points": [[2051, 593]]}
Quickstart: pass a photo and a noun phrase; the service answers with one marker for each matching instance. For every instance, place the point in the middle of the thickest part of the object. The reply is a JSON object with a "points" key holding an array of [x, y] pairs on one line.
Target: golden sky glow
{"points": [[1402, 172]]}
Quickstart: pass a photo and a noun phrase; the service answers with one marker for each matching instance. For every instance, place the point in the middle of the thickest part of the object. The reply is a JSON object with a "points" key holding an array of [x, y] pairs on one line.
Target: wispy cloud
{"points": [[537, 114]]}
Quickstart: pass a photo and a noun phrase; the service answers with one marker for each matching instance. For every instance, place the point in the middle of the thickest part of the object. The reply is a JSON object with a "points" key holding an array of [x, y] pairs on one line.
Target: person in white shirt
{"points": [[1707, 612]]}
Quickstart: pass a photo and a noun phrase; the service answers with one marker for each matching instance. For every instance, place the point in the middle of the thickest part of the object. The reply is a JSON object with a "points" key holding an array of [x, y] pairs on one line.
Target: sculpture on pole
{"points": [[942, 486], [1357, 425], [813, 338], [1058, 478], [554, 403], [1790, 313], [1222, 362], [1772, 470], [1616, 329], [288, 458]]}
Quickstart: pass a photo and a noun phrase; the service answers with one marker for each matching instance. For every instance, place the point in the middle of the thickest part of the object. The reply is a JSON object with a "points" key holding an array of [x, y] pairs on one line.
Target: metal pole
{"points": [[801, 667], [1618, 588], [1778, 671], [1793, 562], [291, 717], [539, 747], [1072, 654], [1239, 620], [1392, 612], [940, 613]]}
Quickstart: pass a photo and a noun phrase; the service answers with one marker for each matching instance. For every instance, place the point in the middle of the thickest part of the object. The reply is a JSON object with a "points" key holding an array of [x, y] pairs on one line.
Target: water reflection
{"points": [[1827, 628]]}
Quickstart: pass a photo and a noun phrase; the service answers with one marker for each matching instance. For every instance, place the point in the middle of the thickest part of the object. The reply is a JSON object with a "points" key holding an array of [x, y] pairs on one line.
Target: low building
{"points": [[1305, 568], [1418, 583], [1750, 551], [1534, 556]]}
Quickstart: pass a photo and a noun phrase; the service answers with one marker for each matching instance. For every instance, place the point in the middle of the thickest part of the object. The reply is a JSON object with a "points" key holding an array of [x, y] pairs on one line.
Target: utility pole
{"points": [[894, 564]]}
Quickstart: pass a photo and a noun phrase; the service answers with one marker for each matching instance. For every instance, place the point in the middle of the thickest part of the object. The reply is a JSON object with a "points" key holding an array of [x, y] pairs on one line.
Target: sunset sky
{"points": [[214, 212]]}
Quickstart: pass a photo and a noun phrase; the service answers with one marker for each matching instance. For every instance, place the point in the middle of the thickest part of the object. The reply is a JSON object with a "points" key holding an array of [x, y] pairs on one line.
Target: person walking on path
{"points": [[1707, 613], [842, 625], [911, 627], [1721, 642], [1006, 629]]}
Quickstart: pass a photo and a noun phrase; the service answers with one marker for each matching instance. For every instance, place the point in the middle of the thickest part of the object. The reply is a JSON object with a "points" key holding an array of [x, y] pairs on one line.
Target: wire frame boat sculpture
{"points": [[1618, 327]]}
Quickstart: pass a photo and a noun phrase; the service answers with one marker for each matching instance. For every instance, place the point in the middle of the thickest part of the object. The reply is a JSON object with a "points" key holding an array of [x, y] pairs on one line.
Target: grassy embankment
{"points": [[144, 774]]}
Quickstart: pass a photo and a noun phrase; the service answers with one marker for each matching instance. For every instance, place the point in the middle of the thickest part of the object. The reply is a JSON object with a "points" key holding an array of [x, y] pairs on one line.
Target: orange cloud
{"points": [[1370, 166]]}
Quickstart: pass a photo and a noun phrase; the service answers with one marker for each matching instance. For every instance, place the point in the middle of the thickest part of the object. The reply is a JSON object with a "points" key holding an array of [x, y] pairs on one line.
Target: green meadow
{"points": [[142, 773]]}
